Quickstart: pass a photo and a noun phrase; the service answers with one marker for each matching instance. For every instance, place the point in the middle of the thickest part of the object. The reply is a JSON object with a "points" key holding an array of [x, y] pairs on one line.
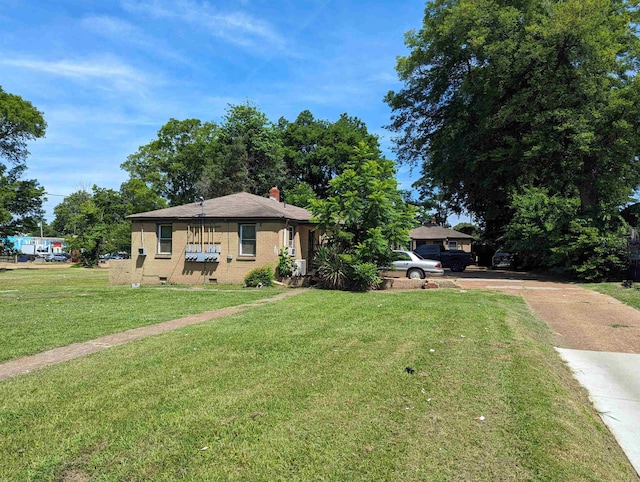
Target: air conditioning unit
{"points": [[301, 267], [142, 251], [292, 251]]}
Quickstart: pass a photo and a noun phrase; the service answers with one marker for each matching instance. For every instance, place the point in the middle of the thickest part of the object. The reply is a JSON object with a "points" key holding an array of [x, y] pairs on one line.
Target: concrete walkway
{"points": [[19, 366], [614, 388], [598, 337]]}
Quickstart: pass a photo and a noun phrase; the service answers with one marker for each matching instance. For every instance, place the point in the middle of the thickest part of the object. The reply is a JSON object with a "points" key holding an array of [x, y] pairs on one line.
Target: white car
{"points": [[416, 266]]}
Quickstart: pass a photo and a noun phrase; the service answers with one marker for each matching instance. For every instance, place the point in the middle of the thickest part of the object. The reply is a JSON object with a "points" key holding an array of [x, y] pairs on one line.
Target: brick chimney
{"points": [[274, 193]]}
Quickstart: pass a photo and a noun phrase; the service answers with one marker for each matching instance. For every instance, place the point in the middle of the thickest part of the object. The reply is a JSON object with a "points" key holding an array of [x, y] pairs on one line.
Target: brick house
{"points": [[216, 241], [434, 234]]}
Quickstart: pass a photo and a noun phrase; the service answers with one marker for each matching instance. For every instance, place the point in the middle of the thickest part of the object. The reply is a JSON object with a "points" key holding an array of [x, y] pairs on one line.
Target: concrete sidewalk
{"points": [[19, 366], [614, 388]]}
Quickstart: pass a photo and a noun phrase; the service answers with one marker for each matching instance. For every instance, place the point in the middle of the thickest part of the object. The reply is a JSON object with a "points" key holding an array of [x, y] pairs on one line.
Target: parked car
{"points": [[456, 260], [415, 265], [62, 257], [118, 255], [502, 259]]}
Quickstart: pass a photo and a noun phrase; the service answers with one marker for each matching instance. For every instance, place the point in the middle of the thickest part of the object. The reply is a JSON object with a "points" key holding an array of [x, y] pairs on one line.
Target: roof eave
{"points": [[134, 217]]}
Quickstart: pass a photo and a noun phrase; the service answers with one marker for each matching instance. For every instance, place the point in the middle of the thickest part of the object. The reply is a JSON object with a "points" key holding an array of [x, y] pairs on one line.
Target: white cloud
{"points": [[114, 27], [106, 68], [119, 30], [236, 27]]}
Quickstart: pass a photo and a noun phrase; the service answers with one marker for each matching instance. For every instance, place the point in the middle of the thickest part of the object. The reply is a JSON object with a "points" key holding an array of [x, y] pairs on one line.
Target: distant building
{"points": [[36, 245], [448, 238]]}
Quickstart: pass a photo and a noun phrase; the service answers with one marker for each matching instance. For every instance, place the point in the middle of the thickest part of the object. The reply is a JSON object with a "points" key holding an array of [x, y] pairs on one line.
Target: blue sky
{"points": [[109, 74]]}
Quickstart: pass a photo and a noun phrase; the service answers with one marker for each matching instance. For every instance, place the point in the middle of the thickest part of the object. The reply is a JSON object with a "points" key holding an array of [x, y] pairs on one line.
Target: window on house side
{"points": [[164, 238], [291, 233], [453, 245], [247, 240]]}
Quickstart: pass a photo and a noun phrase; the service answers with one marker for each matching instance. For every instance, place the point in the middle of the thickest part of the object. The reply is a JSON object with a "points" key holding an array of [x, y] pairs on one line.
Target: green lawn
{"points": [[47, 308], [629, 296], [314, 387]]}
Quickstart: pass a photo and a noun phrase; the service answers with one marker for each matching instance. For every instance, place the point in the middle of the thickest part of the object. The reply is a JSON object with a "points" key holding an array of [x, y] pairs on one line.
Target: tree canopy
{"points": [[316, 150], [94, 223], [499, 97], [247, 152], [20, 199], [248, 156], [191, 158], [20, 122], [172, 165]]}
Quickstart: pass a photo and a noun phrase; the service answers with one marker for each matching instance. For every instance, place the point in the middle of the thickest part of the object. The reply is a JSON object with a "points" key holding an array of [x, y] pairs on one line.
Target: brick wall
{"points": [[120, 271], [154, 268]]}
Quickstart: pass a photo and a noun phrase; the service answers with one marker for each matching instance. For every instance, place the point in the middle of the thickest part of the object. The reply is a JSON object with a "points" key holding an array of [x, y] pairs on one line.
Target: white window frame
{"points": [[243, 239], [161, 239], [453, 245], [291, 237]]}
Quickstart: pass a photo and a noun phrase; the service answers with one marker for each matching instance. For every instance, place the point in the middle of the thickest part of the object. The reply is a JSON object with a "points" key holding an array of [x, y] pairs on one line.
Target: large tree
{"points": [[316, 150], [247, 156], [191, 158], [20, 199], [173, 164], [69, 219], [502, 96]]}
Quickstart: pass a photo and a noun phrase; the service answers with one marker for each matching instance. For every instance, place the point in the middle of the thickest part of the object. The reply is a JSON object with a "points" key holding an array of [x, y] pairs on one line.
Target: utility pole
{"points": [[41, 234]]}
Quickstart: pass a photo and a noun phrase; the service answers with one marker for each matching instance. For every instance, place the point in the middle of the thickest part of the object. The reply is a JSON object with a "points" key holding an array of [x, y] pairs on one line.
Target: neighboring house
{"points": [[36, 244], [448, 238], [217, 240]]}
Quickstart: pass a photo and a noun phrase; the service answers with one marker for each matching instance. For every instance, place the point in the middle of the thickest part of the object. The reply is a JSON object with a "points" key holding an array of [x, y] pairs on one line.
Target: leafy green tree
{"points": [[631, 214], [20, 122], [364, 215], [549, 231], [315, 150], [69, 219], [94, 223], [501, 96], [540, 221], [299, 195], [20, 200], [137, 197], [191, 158], [249, 154], [173, 164], [470, 229]]}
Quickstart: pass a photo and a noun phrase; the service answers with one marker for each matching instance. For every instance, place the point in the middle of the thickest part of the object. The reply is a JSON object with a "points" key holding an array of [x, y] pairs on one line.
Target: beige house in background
{"points": [[215, 241], [448, 238]]}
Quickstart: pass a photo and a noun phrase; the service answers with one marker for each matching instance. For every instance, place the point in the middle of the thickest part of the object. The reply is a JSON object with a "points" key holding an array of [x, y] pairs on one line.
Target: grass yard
{"points": [[628, 296], [47, 308], [315, 387]]}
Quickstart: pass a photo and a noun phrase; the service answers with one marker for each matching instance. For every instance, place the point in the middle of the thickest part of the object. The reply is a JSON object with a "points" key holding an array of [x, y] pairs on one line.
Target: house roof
{"points": [[437, 232], [234, 206]]}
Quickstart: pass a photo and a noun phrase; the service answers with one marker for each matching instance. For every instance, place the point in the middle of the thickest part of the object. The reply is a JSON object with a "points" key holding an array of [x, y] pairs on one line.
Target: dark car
{"points": [[502, 259], [456, 260]]}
